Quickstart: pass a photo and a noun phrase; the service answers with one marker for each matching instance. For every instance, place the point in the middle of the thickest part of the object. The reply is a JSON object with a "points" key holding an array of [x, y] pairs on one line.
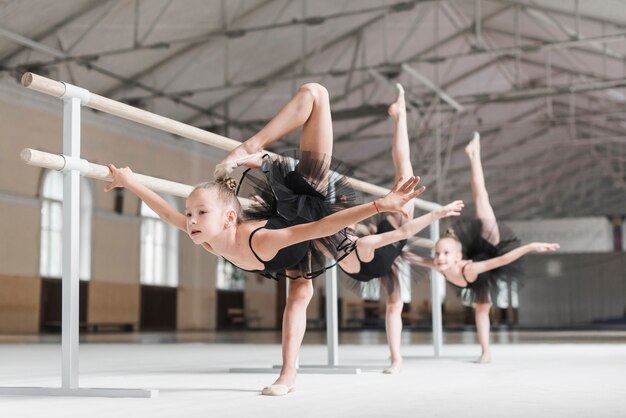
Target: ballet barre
{"points": [[60, 89]]}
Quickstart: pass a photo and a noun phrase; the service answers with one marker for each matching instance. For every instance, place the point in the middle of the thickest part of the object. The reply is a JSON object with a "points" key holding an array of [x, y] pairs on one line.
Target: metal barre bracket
{"points": [[75, 92], [72, 163]]}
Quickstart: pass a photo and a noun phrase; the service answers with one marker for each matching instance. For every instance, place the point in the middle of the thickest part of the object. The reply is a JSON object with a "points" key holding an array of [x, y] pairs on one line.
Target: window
{"points": [[51, 244], [229, 277], [159, 249]]}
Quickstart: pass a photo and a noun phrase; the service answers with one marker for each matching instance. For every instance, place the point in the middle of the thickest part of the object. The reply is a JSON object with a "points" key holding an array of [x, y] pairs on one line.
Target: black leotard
{"points": [[384, 257]]}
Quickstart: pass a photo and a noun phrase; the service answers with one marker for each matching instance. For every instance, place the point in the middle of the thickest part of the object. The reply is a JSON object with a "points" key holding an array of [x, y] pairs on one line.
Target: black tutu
{"points": [[385, 268], [477, 247], [296, 188]]}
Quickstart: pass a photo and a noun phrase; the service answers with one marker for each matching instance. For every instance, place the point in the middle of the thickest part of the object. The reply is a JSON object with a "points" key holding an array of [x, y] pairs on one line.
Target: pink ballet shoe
{"points": [[225, 168], [391, 370], [277, 390]]}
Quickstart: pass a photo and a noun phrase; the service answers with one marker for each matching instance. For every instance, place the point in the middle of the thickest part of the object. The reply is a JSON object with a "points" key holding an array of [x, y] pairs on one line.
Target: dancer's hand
{"points": [[402, 193], [451, 209], [541, 247], [120, 177]]}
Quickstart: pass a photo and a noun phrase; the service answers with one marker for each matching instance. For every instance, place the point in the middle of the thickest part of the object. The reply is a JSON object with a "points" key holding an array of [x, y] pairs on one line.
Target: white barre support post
{"points": [[73, 98], [332, 323], [435, 296], [71, 246]]}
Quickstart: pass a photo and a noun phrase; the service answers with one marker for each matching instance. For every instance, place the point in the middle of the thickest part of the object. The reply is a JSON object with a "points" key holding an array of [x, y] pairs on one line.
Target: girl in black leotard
{"points": [[287, 229], [476, 253], [377, 255]]}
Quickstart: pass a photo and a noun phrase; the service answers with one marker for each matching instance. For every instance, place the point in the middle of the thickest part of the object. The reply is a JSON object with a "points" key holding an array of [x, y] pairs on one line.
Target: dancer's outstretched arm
{"points": [[419, 260], [409, 229], [272, 240], [123, 177], [474, 269]]}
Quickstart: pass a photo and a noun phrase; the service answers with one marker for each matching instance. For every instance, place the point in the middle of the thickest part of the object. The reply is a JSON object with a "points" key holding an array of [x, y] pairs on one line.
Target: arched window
{"points": [[159, 249], [52, 226]]}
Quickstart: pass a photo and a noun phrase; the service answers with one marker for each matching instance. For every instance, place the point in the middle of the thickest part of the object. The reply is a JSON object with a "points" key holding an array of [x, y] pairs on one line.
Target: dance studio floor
{"points": [[534, 374]]}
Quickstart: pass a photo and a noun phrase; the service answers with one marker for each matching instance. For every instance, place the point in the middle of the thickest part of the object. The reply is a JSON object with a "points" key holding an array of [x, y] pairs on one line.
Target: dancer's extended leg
{"points": [[484, 211], [393, 324], [481, 314], [309, 108], [400, 148], [294, 324]]}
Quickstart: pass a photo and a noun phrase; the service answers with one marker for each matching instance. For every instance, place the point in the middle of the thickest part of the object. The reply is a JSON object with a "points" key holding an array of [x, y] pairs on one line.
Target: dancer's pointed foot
{"points": [[395, 368], [237, 157], [473, 148], [283, 385], [485, 358], [277, 390], [398, 108]]}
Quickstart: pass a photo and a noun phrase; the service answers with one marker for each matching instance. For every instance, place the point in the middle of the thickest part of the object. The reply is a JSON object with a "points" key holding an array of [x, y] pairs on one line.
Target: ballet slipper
{"points": [[391, 370], [483, 360], [224, 169], [400, 90], [470, 148], [277, 390]]}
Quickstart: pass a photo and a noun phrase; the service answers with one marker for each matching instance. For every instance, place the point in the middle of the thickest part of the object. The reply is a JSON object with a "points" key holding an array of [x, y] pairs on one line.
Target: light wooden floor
{"points": [[534, 374]]}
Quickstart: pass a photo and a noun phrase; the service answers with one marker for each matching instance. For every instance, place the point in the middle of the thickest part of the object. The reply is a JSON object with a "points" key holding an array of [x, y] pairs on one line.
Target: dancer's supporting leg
{"points": [[402, 161], [490, 232], [294, 325], [393, 324], [481, 316], [309, 108]]}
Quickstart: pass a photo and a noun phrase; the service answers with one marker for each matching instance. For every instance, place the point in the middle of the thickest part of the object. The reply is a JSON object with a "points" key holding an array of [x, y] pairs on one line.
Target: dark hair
{"points": [[226, 188]]}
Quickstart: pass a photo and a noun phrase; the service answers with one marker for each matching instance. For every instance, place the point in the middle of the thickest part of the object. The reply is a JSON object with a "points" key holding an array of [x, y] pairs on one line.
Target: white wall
{"points": [[576, 235]]}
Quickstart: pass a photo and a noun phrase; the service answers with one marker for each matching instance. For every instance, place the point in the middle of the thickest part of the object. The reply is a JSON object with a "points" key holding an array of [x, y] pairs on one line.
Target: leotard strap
{"points": [[462, 272], [250, 245]]}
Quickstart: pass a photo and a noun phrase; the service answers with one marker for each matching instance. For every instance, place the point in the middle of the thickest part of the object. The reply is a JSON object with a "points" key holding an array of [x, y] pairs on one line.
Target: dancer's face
{"points": [[447, 254], [207, 216]]}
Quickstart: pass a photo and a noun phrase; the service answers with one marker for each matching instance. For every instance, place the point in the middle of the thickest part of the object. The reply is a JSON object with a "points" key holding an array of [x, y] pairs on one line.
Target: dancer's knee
{"points": [[300, 292], [394, 306], [319, 92], [482, 308]]}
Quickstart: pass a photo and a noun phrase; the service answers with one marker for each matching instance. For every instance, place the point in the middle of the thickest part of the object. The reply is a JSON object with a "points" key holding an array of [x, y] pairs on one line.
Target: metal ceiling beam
{"points": [[187, 49], [269, 78], [382, 67], [87, 8], [552, 10], [576, 44], [14, 37]]}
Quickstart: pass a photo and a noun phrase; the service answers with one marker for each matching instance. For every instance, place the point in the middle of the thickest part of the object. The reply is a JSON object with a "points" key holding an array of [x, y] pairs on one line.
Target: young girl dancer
{"points": [[377, 255], [490, 248], [301, 218]]}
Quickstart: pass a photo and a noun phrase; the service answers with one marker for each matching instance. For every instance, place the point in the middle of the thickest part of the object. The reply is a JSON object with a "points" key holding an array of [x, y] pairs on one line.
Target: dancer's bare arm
{"points": [[474, 269], [419, 260], [411, 228], [123, 177]]}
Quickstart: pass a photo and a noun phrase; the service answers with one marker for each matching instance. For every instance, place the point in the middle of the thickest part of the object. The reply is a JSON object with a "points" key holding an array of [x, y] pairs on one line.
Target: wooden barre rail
{"points": [[57, 89], [101, 172]]}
